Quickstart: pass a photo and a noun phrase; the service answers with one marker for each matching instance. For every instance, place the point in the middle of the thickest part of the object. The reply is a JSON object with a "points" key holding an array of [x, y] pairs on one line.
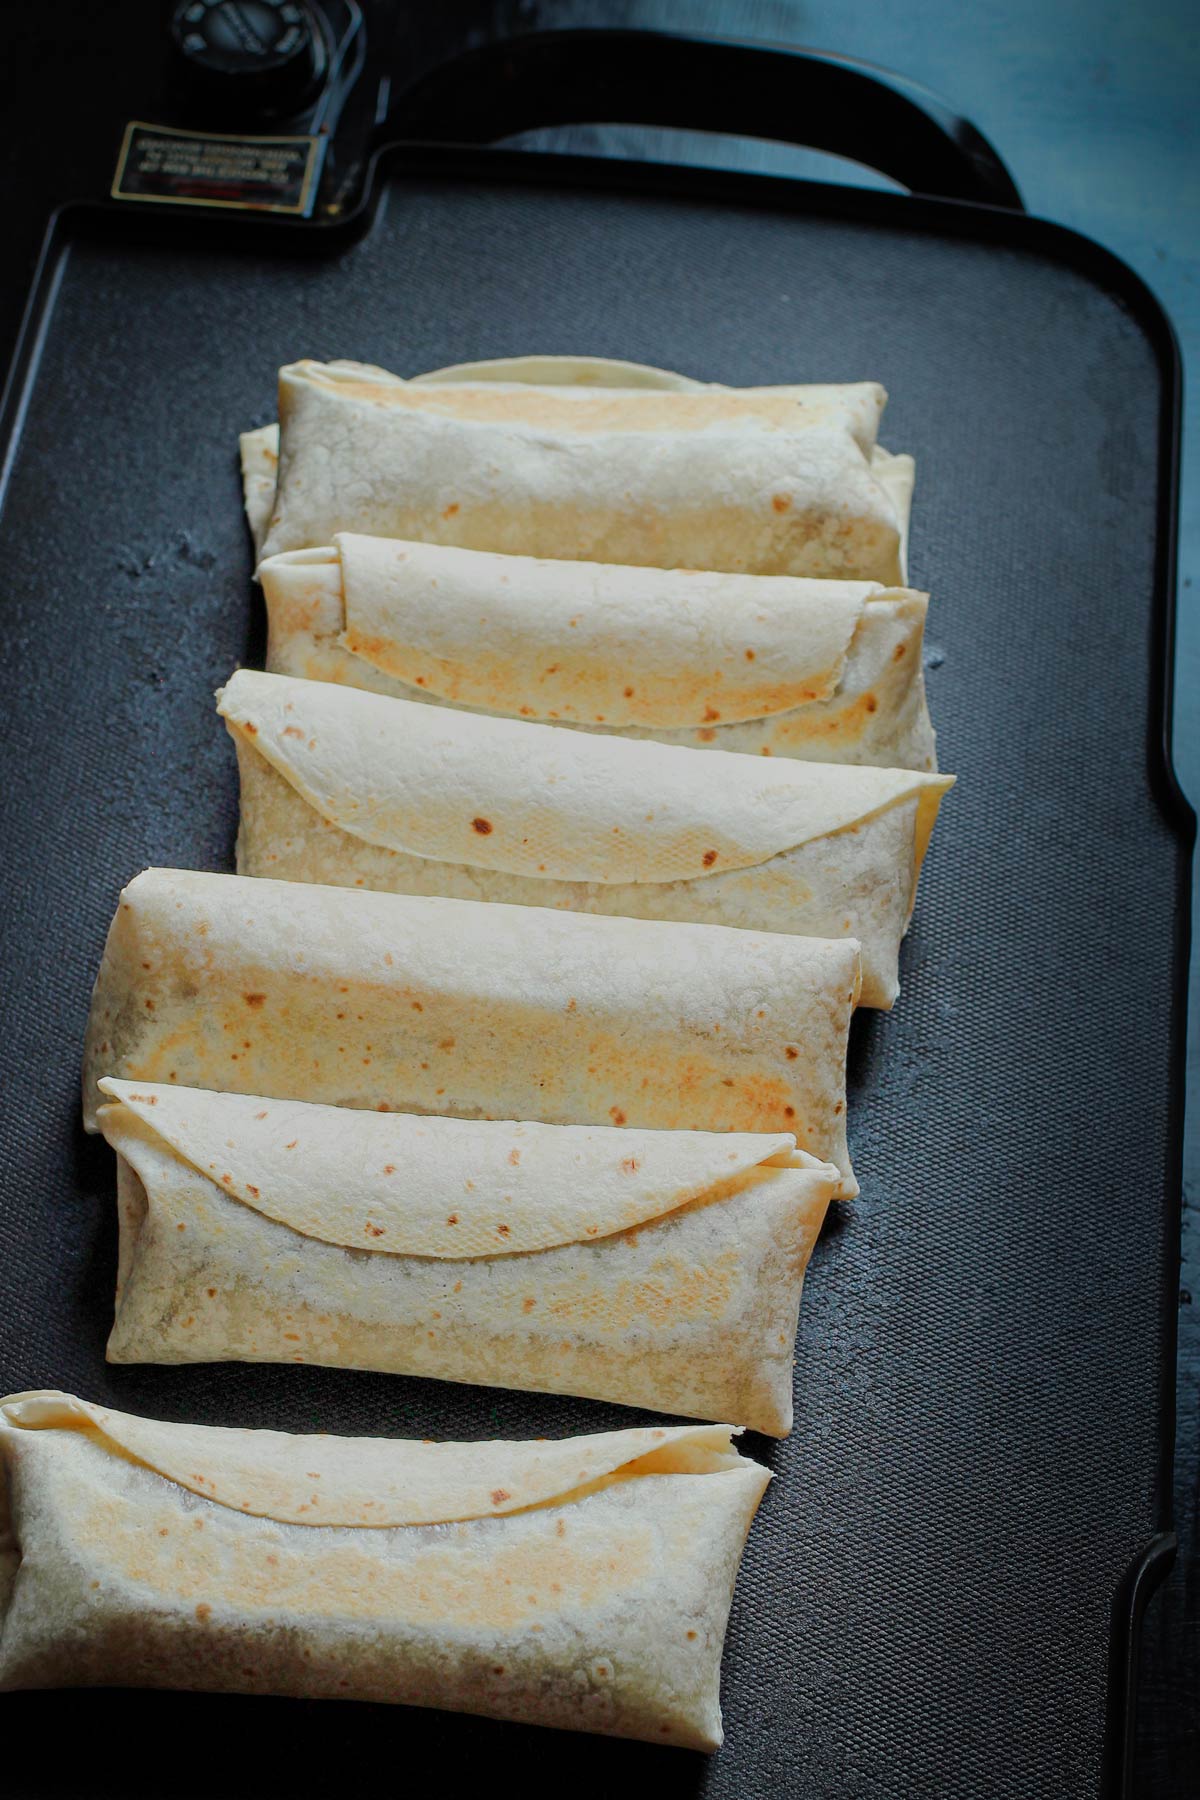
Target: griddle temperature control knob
{"points": [[248, 57]]}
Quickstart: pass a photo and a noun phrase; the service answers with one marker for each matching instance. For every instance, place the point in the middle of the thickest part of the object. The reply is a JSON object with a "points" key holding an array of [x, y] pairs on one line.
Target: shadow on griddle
{"points": [[115, 1744]]}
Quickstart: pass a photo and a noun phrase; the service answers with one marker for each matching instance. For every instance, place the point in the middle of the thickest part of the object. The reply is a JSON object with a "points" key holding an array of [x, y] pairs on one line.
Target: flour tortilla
{"points": [[452, 1007], [772, 481], [830, 671], [353, 789], [582, 1583], [659, 1269]]}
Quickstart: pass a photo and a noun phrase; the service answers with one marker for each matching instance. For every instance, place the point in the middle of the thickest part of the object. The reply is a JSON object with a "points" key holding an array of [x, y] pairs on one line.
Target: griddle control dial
{"points": [[248, 57]]}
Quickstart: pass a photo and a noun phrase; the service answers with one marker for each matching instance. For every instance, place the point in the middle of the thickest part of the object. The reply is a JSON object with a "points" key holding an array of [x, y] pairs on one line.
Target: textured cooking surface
{"points": [[924, 1603]]}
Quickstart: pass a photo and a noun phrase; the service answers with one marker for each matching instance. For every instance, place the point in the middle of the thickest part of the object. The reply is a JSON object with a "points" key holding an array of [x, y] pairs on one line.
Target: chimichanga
{"points": [[767, 481], [830, 671], [356, 790], [656, 1268], [453, 1007], [583, 1583]]}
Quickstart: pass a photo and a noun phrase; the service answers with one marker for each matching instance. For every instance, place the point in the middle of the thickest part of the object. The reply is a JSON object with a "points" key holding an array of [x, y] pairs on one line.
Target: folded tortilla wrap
{"points": [[351, 789], [655, 1268], [448, 1006], [583, 1582], [830, 671], [768, 481]]}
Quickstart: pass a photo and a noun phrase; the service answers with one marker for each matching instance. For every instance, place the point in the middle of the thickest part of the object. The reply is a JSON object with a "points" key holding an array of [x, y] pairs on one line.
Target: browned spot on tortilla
{"points": [[203, 1611], [707, 735], [749, 656], [375, 1231], [528, 1303], [389, 1168], [212, 1293], [789, 1112], [837, 1107], [871, 703], [482, 826], [292, 731], [791, 1053], [255, 1000], [616, 1115], [499, 1496], [503, 1230], [250, 1189], [629, 693], [417, 1007], [781, 502], [149, 1006], [630, 1165], [453, 1219], [449, 511], [709, 858], [514, 1156], [446, 1044], [766, 750], [898, 652], [710, 712], [292, 1145]]}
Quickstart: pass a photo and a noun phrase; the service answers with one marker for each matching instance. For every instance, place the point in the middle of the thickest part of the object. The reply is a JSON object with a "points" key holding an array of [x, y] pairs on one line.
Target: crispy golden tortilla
{"points": [[479, 1011], [583, 1583], [830, 671], [535, 458], [656, 1268], [353, 789]]}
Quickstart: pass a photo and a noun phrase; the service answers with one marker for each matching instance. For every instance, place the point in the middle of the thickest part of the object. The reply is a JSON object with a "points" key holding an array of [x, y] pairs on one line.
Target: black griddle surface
{"points": [[985, 1371]]}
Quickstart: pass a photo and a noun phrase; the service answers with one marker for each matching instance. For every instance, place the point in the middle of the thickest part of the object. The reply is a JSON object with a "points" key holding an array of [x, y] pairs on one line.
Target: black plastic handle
{"points": [[706, 84]]}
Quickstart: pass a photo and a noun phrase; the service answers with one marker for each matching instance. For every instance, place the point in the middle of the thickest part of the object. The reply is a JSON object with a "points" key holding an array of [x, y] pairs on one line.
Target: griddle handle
{"points": [[806, 97]]}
